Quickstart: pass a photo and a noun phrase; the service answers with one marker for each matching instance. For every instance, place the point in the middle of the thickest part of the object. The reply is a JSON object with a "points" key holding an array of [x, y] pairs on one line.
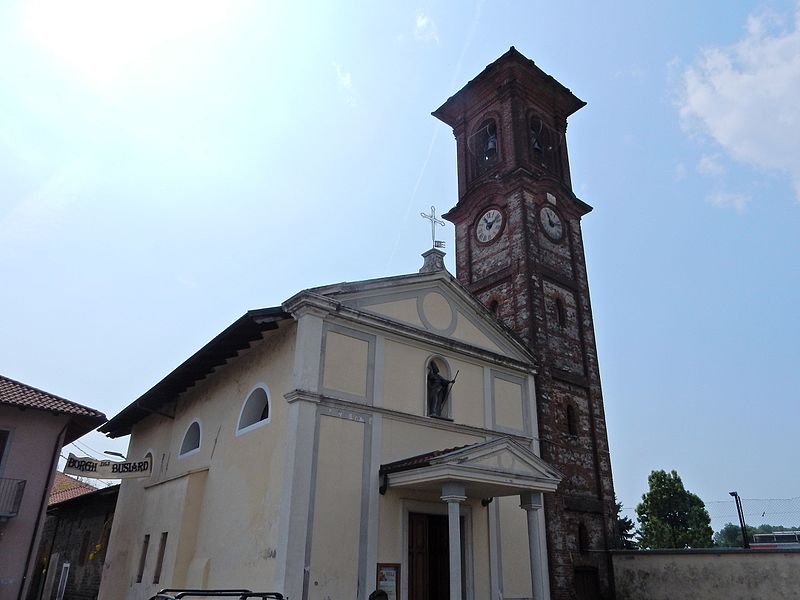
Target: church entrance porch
{"points": [[467, 479]]}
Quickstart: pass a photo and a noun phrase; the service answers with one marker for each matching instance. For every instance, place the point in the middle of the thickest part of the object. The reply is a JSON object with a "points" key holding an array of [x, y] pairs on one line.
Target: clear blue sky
{"points": [[165, 166]]}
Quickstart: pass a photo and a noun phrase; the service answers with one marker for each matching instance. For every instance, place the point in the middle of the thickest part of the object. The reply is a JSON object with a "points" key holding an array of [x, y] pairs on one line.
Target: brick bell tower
{"points": [[519, 250]]}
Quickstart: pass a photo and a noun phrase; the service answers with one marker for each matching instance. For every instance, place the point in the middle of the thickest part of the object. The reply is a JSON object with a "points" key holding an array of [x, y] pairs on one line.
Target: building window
{"points": [[494, 306], [191, 440], [583, 538], [544, 147], [5, 435], [142, 558], [149, 456], [255, 410], [572, 420], [438, 388], [162, 546], [484, 147], [561, 312]]}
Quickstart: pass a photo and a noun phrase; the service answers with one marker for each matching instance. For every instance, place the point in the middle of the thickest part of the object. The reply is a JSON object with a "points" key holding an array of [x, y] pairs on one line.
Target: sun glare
{"points": [[104, 40]]}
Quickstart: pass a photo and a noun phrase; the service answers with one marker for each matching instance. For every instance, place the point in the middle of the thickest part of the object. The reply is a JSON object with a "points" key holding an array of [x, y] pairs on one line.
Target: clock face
{"points": [[551, 224], [489, 225]]}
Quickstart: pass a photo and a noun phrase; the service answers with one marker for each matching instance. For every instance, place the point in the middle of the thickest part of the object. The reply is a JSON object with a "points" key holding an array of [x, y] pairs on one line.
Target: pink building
{"points": [[34, 425]]}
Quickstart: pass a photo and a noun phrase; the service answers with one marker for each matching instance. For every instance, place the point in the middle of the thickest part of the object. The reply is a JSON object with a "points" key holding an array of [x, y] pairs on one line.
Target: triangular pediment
{"points": [[501, 456], [499, 467], [434, 303]]}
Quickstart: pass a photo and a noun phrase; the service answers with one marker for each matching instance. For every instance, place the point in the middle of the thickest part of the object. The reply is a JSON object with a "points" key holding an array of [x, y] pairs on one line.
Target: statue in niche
{"points": [[438, 390]]}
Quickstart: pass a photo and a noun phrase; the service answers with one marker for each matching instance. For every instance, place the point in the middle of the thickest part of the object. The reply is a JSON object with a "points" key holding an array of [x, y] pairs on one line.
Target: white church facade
{"points": [[311, 449]]}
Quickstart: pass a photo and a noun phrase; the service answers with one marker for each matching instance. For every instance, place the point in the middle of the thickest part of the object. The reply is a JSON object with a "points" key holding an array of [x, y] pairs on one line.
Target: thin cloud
{"points": [[35, 216], [344, 81], [737, 202], [710, 165], [744, 97], [425, 28]]}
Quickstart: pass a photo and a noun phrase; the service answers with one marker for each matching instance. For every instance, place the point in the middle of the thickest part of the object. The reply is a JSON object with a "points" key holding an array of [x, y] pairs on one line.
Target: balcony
{"points": [[11, 491]]}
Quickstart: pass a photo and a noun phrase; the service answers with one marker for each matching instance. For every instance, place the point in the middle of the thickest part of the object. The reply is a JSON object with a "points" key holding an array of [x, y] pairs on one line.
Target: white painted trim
{"points": [[378, 369], [543, 554], [374, 515], [242, 430], [534, 415], [296, 498]]}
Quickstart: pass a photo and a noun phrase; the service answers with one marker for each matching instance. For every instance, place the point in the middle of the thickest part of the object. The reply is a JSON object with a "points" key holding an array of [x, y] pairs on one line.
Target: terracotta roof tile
{"points": [[420, 460], [67, 488], [15, 393]]}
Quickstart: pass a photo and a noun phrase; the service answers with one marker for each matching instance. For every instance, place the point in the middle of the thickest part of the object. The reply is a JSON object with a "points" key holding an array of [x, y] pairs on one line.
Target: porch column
{"points": [[453, 494], [532, 503]]}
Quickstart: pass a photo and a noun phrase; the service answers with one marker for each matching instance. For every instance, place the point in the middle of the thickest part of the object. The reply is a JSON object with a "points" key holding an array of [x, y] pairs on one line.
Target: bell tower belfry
{"points": [[519, 249]]}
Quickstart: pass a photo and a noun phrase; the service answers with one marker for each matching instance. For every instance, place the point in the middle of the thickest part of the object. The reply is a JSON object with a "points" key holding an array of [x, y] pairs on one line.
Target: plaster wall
{"points": [[508, 404], [401, 310], [515, 564], [337, 529], [402, 439], [34, 435], [405, 383], [346, 364], [721, 575], [220, 504]]}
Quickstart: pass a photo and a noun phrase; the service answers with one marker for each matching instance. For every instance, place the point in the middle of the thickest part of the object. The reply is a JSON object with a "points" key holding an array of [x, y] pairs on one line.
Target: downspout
{"points": [[42, 504]]}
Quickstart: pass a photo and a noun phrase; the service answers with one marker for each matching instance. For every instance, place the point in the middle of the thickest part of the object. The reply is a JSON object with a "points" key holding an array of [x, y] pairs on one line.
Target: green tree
{"points": [[671, 516], [625, 529], [730, 536]]}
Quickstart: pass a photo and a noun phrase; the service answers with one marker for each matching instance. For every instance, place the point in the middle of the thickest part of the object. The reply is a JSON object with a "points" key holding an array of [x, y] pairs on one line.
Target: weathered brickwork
{"points": [[76, 531], [533, 275]]}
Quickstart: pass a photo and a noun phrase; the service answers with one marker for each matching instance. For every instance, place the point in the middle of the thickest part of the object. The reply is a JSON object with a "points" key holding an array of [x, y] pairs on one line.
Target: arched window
{"points": [[544, 146], [583, 538], [255, 410], [437, 376], [149, 456], [191, 439], [494, 306], [572, 420], [561, 312], [484, 147]]}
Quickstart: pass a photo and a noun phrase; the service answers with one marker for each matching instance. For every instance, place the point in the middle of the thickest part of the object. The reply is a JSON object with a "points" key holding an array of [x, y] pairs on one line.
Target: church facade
{"points": [[432, 436], [309, 450]]}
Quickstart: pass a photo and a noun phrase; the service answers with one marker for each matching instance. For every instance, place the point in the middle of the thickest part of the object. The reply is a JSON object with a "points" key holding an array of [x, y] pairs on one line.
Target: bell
{"points": [[491, 148]]}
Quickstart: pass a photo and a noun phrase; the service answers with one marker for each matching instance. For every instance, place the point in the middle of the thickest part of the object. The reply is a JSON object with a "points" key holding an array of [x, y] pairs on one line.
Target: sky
{"points": [[166, 166]]}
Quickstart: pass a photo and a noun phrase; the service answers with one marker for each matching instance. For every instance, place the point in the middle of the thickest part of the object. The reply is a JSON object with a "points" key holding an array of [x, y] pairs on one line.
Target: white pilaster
{"points": [[532, 503], [296, 495], [453, 494]]}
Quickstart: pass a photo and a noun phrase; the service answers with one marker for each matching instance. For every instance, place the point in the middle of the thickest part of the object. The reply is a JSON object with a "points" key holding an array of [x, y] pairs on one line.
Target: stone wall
{"points": [[708, 574], [76, 531]]}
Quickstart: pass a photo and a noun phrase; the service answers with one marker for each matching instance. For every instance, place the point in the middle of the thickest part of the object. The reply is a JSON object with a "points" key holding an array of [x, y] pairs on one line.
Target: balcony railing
{"points": [[11, 491]]}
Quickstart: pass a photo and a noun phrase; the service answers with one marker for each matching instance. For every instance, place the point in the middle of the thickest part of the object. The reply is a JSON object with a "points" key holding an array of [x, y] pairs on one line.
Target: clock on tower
{"points": [[519, 250]]}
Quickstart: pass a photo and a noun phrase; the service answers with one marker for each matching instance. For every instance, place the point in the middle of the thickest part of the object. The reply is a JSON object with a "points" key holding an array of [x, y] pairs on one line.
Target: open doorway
{"points": [[429, 557]]}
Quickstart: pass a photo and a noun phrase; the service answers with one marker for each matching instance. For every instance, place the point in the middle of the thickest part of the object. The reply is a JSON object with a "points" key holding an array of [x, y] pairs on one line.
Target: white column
{"points": [[453, 494], [532, 503]]}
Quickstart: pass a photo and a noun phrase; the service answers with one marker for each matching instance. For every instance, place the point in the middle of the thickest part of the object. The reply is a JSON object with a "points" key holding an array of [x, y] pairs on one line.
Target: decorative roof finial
{"points": [[434, 222], [433, 258]]}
